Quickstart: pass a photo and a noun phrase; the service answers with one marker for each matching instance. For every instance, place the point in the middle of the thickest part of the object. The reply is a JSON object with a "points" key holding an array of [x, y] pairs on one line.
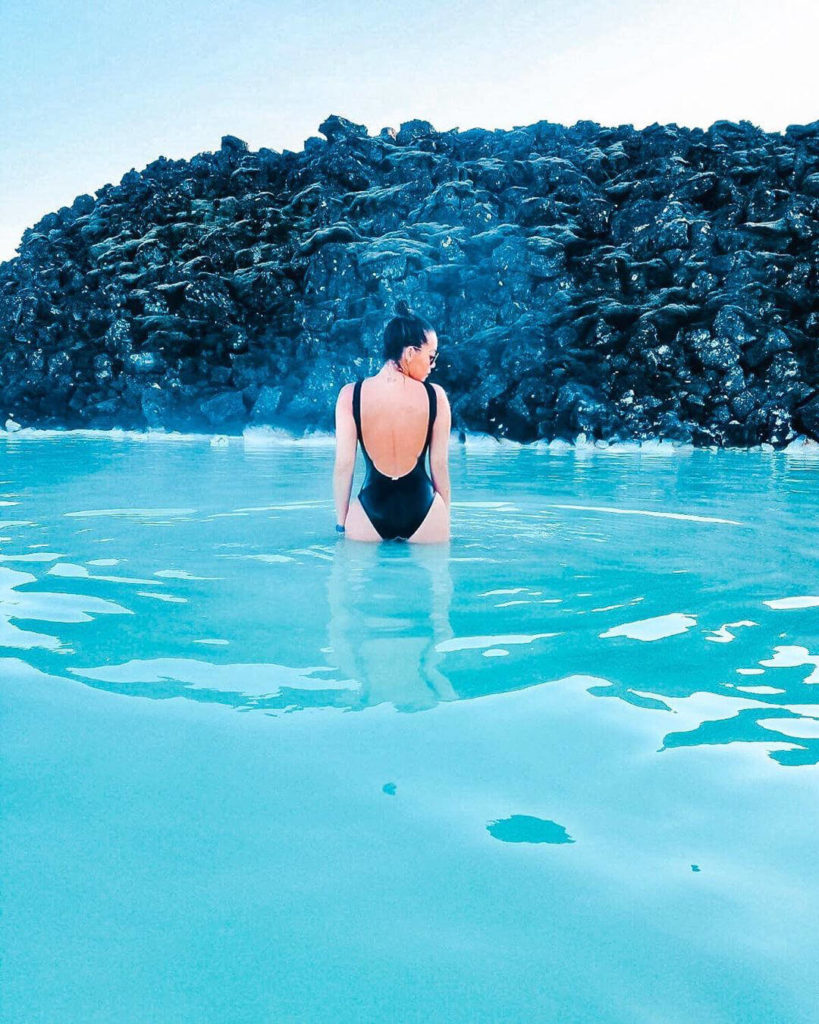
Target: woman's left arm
{"points": [[439, 446], [346, 441]]}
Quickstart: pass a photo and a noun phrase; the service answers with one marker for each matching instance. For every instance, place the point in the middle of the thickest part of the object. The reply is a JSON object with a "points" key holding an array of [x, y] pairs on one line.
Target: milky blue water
{"points": [[561, 769]]}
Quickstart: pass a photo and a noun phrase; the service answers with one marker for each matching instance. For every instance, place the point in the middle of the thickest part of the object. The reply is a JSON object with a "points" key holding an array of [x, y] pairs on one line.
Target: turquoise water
{"points": [[562, 769]]}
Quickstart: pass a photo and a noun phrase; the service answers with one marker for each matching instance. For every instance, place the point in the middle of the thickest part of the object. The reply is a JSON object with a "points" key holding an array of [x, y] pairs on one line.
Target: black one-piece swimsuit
{"points": [[396, 506]]}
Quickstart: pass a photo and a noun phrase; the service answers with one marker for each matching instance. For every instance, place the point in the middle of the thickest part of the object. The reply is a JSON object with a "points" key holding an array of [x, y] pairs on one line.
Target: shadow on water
{"points": [[523, 828]]}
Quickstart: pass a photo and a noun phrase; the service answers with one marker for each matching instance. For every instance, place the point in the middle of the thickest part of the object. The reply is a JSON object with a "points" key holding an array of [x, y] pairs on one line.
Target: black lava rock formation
{"points": [[620, 283]]}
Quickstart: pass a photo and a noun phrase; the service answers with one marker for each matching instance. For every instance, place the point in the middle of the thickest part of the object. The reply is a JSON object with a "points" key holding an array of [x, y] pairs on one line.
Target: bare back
{"points": [[394, 422]]}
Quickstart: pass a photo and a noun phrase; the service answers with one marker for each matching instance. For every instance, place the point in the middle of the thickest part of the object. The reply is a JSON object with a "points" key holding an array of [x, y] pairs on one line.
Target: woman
{"points": [[394, 415]]}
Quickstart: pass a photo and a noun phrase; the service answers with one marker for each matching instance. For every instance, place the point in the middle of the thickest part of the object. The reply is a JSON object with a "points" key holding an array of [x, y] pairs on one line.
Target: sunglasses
{"points": [[433, 359]]}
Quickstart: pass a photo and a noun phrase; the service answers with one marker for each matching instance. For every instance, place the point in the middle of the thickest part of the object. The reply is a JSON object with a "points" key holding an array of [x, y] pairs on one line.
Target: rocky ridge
{"points": [[621, 283]]}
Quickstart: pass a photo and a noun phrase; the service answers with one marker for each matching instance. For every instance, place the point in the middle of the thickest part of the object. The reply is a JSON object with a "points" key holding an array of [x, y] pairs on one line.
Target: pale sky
{"points": [[90, 90]]}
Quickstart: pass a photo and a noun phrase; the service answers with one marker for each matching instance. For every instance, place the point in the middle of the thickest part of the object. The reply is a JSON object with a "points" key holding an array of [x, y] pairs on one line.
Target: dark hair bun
{"points": [[406, 329]]}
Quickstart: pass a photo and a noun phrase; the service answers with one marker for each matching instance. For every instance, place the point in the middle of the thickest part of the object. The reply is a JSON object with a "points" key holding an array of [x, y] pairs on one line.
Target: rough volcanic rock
{"points": [[614, 282]]}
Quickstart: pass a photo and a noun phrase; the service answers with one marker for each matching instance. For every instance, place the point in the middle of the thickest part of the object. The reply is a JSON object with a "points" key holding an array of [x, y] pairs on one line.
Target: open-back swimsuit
{"points": [[396, 506]]}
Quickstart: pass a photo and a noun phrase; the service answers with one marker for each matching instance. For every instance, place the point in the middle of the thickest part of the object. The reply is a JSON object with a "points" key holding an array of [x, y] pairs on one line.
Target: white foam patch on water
{"points": [[6, 524], [807, 601], [38, 556], [260, 558], [760, 689], [180, 574], [654, 446], [137, 513], [43, 607], [471, 558], [751, 671], [6, 503], [799, 728], [213, 642], [657, 628], [794, 657], [488, 443], [114, 434], [275, 437], [647, 512], [250, 679], [803, 446], [498, 593], [170, 598], [24, 639], [582, 445], [508, 604], [471, 643], [723, 634], [293, 506], [69, 570], [104, 561], [267, 437], [704, 706], [808, 710], [495, 652], [493, 505], [13, 605]]}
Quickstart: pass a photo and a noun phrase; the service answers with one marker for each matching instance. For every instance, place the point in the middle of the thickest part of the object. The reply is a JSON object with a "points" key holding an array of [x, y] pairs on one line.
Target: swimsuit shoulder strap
{"points": [[433, 409], [357, 410], [357, 415]]}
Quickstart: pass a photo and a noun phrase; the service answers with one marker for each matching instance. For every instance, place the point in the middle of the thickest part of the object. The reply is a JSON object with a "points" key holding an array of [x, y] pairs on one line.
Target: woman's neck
{"points": [[392, 373]]}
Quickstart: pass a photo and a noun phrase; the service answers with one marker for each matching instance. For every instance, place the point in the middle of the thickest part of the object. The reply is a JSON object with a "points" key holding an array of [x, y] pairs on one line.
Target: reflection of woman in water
{"points": [[389, 612], [399, 412]]}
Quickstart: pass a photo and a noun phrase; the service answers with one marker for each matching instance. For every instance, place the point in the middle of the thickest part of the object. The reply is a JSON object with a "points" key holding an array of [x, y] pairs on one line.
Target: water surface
{"points": [[561, 769]]}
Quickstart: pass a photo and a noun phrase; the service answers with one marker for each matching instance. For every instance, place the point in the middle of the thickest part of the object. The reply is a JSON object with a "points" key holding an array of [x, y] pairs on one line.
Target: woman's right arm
{"points": [[439, 445], [346, 441]]}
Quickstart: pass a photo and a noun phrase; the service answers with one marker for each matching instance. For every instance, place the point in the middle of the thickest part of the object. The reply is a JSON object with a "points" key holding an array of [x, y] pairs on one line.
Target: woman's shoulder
{"points": [[345, 395]]}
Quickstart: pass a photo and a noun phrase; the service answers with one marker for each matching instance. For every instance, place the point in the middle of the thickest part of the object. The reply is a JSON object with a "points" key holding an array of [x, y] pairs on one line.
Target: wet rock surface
{"points": [[621, 283]]}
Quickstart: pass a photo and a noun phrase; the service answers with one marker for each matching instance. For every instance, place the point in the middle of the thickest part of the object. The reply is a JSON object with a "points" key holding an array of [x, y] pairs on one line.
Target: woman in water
{"points": [[392, 415]]}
